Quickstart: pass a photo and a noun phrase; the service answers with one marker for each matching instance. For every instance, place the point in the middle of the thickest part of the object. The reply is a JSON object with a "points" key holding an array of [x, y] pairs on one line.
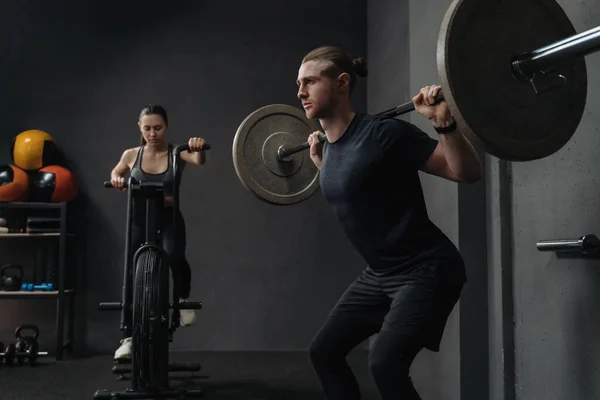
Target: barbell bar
{"points": [[524, 67], [283, 153], [543, 59], [10, 354], [513, 75]]}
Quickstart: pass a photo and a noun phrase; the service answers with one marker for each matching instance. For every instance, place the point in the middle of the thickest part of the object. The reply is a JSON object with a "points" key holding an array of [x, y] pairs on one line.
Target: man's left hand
{"points": [[425, 104], [196, 144]]}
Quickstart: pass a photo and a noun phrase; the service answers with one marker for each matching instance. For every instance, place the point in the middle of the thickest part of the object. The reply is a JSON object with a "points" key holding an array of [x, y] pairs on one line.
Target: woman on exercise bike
{"points": [[152, 161]]}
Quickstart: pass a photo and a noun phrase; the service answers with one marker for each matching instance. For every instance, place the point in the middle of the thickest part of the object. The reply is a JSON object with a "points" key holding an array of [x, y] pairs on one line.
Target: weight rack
{"points": [[62, 294]]}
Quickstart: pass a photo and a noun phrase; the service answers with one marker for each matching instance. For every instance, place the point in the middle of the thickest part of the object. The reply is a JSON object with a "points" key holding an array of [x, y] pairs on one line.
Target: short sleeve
{"points": [[404, 143]]}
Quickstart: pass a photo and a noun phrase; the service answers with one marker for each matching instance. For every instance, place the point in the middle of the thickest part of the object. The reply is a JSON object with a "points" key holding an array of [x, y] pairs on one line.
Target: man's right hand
{"points": [[118, 182], [316, 148]]}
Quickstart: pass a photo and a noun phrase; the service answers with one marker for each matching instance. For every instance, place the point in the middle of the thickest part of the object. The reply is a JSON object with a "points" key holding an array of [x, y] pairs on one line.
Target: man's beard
{"points": [[325, 111]]}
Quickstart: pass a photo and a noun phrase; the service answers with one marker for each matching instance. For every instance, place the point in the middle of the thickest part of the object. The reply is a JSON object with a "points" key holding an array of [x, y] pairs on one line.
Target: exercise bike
{"points": [[145, 299]]}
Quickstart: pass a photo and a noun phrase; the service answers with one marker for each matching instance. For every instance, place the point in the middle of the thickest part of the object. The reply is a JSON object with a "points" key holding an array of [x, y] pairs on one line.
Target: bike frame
{"points": [[153, 194]]}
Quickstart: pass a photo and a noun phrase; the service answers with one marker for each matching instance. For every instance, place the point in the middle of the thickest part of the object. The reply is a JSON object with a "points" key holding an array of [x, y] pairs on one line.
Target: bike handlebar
{"points": [[186, 147], [177, 152]]}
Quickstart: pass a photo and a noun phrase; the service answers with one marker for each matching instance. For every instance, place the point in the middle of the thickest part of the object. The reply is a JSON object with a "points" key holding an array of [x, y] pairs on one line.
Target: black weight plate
{"points": [[477, 42]]}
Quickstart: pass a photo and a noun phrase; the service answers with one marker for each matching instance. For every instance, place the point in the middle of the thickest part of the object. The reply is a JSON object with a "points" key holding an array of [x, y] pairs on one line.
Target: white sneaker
{"points": [[124, 352], [186, 317]]}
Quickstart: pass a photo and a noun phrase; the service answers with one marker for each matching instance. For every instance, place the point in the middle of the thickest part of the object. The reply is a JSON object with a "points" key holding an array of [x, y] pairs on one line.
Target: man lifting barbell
{"points": [[518, 94], [369, 175]]}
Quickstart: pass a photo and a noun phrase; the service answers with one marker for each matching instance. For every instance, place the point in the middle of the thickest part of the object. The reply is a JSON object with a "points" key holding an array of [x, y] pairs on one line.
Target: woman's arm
{"points": [[195, 155], [124, 164], [193, 158]]}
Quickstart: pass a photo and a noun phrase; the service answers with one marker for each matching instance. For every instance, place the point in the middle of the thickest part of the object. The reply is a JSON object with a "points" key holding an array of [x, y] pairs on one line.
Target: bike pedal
{"points": [[184, 367], [190, 305], [121, 369], [110, 307]]}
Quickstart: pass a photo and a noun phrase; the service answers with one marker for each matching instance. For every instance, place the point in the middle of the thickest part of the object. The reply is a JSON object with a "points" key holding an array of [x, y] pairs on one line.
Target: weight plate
{"points": [[478, 40], [255, 146], [21, 347], [9, 354]]}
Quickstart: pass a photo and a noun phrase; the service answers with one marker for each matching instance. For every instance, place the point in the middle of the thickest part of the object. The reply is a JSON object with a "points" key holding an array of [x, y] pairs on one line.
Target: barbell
{"points": [[512, 72]]}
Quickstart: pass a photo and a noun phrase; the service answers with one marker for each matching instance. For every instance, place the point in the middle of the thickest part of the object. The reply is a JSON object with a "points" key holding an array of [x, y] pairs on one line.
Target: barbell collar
{"points": [[283, 152], [527, 65]]}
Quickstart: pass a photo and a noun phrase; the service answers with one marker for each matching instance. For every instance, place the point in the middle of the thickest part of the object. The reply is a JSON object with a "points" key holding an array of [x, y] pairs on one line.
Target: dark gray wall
{"points": [[557, 300], [82, 71]]}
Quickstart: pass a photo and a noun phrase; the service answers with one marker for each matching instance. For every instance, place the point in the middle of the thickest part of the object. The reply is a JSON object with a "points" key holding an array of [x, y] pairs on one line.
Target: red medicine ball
{"points": [[14, 184], [53, 184]]}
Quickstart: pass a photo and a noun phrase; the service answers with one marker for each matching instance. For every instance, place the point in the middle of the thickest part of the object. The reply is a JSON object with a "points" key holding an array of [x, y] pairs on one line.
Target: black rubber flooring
{"points": [[235, 375]]}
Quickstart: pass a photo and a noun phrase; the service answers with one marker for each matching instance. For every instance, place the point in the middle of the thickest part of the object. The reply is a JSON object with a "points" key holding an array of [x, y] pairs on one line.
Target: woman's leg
{"points": [[136, 240], [174, 243]]}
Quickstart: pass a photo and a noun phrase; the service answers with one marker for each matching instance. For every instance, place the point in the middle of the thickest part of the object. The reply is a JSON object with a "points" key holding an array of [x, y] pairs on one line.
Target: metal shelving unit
{"points": [[62, 293]]}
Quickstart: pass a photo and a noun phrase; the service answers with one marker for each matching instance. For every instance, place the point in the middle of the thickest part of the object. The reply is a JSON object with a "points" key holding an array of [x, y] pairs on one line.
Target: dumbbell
{"points": [[7, 354], [30, 287], [11, 354]]}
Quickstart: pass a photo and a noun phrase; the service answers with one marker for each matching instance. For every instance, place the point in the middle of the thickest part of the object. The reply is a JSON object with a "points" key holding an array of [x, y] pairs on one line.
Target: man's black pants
{"points": [[409, 311]]}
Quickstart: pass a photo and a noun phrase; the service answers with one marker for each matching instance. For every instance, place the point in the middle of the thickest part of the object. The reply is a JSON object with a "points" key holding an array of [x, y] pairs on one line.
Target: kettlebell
{"points": [[27, 344], [11, 283], [27, 338]]}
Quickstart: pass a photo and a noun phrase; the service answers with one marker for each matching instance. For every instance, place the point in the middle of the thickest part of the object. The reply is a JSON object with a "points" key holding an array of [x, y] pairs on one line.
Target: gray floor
{"points": [[242, 376]]}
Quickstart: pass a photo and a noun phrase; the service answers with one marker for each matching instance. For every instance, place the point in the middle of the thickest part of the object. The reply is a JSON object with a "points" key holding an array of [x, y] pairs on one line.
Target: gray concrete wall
{"points": [[557, 300], [82, 71]]}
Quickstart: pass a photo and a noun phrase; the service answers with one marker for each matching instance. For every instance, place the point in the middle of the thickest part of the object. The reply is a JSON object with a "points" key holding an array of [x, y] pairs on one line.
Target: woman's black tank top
{"points": [[165, 177]]}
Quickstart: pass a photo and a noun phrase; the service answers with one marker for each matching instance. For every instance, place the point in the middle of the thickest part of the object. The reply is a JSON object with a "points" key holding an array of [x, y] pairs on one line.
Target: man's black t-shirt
{"points": [[370, 178]]}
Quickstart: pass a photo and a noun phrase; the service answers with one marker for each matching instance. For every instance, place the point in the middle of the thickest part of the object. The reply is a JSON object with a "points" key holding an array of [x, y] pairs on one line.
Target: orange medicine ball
{"points": [[33, 149], [53, 184], [14, 184]]}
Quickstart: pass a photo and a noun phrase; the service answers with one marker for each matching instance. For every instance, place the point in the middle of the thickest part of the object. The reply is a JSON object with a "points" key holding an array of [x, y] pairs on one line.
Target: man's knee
{"points": [[382, 366], [391, 357]]}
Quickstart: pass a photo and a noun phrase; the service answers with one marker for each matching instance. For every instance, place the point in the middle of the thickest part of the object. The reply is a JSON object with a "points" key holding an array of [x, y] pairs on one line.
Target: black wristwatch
{"points": [[449, 129]]}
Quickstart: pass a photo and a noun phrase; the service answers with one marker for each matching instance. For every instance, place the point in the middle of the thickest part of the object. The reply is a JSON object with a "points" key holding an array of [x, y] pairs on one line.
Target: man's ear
{"points": [[343, 80]]}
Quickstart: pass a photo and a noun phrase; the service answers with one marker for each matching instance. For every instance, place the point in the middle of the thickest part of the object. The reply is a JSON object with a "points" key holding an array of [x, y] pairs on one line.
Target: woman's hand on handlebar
{"points": [[118, 182], [196, 144]]}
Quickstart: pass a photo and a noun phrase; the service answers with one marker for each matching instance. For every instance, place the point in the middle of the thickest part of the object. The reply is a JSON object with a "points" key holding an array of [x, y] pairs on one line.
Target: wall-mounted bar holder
{"points": [[586, 246]]}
